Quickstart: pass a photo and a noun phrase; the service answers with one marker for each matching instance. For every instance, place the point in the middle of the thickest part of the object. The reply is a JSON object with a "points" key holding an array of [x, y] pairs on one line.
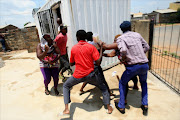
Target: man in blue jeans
{"points": [[132, 48]]}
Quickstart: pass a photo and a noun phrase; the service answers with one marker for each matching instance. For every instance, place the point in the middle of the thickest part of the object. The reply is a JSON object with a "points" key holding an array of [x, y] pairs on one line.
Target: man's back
{"points": [[83, 54], [134, 47]]}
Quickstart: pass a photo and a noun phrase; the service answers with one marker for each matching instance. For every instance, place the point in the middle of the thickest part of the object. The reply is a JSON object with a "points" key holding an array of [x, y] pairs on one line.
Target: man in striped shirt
{"points": [[132, 48]]}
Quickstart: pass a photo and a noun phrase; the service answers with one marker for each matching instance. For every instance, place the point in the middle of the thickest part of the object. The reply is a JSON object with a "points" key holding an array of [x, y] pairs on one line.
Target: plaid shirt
{"points": [[133, 47]]}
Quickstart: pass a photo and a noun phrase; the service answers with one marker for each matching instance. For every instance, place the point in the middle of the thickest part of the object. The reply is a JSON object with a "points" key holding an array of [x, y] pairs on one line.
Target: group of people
{"points": [[86, 55]]}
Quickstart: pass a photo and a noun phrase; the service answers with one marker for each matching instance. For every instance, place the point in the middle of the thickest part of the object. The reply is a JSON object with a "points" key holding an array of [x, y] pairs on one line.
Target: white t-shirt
{"points": [[58, 29]]}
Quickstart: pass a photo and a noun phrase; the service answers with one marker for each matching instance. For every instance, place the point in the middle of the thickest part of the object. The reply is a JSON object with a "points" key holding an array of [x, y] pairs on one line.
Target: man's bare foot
{"points": [[110, 109], [66, 112]]}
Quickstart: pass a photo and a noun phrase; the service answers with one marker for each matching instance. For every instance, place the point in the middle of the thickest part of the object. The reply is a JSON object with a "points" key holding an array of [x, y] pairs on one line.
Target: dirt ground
{"points": [[22, 95]]}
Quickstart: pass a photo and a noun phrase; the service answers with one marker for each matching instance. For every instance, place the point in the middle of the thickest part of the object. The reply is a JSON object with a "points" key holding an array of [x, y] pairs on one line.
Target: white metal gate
{"points": [[46, 21]]}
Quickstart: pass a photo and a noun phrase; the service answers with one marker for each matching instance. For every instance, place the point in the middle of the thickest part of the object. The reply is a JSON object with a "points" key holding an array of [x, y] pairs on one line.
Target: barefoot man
{"points": [[82, 56]]}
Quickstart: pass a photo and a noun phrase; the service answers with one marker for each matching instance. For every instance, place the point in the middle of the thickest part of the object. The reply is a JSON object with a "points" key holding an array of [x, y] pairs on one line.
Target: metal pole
{"points": [[151, 34]]}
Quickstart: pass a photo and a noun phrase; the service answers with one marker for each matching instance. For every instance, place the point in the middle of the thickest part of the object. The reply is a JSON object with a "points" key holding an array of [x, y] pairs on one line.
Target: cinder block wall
{"points": [[20, 39]]}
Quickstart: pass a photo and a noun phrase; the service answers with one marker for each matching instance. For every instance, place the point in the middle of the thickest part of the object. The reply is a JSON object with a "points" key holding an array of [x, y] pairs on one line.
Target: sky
{"points": [[19, 12]]}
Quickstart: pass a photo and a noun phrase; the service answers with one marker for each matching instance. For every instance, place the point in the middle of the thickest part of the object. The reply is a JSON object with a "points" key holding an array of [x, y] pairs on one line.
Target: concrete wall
{"points": [[19, 39], [174, 6], [142, 27]]}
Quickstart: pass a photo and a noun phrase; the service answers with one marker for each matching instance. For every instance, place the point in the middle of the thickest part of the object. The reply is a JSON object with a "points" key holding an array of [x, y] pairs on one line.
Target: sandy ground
{"points": [[22, 95]]}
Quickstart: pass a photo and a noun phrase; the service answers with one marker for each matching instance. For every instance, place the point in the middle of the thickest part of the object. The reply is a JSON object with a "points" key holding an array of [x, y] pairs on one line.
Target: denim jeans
{"points": [[131, 71], [93, 78]]}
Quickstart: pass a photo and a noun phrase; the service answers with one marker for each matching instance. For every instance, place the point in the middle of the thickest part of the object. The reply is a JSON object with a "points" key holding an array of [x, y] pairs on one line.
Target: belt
{"points": [[137, 64]]}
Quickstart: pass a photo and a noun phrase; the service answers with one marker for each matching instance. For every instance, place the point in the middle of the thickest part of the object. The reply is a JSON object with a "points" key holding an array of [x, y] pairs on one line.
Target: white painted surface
{"points": [[99, 16]]}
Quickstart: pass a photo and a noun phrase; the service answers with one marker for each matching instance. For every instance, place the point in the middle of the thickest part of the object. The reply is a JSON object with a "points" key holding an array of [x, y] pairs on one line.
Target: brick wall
{"points": [[19, 39]]}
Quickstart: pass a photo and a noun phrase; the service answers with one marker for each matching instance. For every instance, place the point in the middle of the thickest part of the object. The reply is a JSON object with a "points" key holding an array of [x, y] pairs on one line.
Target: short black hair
{"points": [[81, 34], [89, 36]]}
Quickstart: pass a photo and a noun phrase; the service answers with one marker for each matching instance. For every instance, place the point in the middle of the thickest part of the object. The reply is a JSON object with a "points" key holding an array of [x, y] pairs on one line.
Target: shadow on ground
{"points": [[60, 89], [133, 98], [92, 102]]}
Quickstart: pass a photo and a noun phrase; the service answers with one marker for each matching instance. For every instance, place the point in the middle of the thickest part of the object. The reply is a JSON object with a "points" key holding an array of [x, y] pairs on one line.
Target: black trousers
{"points": [[64, 63]]}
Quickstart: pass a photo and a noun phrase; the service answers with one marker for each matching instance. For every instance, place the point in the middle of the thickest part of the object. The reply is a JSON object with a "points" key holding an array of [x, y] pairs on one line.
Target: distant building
{"points": [[161, 15], [164, 15], [4, 29], [30, 25], [174, 5], [137, 16]]}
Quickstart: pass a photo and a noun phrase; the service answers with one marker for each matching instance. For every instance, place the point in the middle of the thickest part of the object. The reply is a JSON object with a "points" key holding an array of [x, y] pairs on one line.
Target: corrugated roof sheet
{"points": [[165, 11]]}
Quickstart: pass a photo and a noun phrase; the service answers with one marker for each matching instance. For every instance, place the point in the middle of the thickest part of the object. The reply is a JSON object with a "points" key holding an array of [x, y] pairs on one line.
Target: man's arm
{"points": [[72, 64], [111, 54], [145, 45], [110, 46], [98, 62], [40, 54], [72, 61], [57, 52]]}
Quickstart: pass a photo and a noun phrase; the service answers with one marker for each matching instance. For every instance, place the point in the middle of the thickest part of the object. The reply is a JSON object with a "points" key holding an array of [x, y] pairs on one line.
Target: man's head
{"points": [[89, 36], [63, 29], [47, 38], [125, 26], [80, 35], [59, 21]]}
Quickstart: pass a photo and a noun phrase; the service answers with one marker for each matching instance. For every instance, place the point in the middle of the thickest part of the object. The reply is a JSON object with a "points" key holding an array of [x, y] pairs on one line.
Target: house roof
{"points": [[3, 26], [165, 11], [30, 25]]}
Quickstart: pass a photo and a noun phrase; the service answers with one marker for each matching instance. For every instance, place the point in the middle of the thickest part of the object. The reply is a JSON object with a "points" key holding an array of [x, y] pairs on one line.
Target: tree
{"points": [[175, 17], [178, 15], [26, 23]]}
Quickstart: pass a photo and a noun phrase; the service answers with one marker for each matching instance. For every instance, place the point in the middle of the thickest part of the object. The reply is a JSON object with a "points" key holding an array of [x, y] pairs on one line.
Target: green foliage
{"points": [[175, 17], [165, 52], [178, 15], [26, 23]]}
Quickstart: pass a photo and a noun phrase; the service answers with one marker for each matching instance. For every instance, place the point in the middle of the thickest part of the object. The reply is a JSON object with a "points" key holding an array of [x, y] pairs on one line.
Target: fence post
{"points": [[151, 31]]}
